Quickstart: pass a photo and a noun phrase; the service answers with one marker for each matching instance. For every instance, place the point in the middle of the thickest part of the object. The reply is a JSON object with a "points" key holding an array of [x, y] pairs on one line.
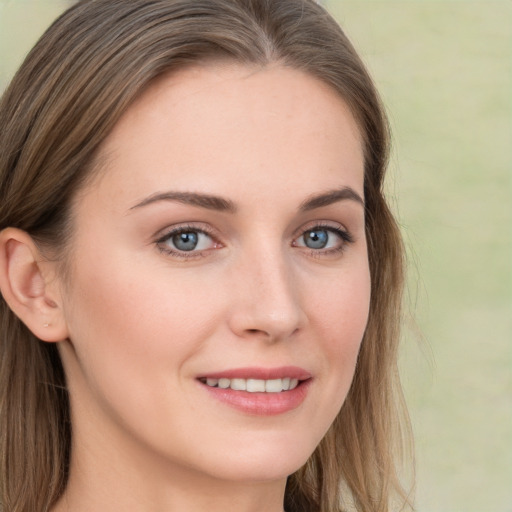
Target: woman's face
{"points": [[222, 247]]}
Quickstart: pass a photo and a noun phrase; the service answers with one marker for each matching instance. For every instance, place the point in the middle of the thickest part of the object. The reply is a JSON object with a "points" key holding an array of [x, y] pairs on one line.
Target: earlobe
{"points": [[29, 286]]}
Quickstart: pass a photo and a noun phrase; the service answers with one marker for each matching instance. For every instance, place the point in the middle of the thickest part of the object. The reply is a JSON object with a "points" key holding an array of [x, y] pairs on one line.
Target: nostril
{"points": [[260, 333]]}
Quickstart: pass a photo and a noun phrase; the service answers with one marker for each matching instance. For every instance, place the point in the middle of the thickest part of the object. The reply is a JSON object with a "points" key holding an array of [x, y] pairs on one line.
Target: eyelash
{"points": [[166, 249], [345, 236], [161, 244]]}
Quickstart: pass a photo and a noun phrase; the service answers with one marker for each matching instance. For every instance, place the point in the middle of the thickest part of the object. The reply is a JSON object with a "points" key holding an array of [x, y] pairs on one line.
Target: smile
{"points": [[253, 385], [259, 391]]}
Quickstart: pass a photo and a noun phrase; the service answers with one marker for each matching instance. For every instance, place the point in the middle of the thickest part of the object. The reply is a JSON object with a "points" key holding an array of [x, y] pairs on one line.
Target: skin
{"points": [[142, 323]]}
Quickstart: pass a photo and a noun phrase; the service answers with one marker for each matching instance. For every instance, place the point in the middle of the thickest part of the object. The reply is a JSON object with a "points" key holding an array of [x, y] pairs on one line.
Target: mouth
{"points": [[259, 391]]}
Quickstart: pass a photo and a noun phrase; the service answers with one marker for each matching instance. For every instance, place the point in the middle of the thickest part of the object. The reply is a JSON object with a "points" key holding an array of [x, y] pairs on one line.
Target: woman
{"points": [[200, 277]]}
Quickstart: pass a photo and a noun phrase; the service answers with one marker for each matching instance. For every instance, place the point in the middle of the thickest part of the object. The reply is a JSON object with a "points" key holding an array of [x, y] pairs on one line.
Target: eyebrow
{"points": [[201, 200], [225, 205], [331, 197]]}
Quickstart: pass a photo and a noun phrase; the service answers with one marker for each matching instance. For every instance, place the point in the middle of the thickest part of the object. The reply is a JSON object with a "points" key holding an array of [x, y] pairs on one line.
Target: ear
{"points": [[30, 286]]}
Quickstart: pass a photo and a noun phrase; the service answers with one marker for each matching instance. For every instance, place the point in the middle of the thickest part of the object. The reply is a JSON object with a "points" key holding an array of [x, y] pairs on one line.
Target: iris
{"points": [[316, 239], [186, 241]]}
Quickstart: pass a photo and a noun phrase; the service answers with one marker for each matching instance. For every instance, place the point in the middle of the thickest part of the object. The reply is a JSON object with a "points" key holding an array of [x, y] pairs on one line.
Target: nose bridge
{"points": [[267, 302]]}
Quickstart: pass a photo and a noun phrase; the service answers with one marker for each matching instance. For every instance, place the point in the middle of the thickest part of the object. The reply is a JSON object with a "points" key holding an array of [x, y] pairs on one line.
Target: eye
{"points": [[324, 238], [183, 240]]}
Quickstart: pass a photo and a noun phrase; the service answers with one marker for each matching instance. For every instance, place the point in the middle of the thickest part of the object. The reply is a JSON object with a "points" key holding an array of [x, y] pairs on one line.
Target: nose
{"points": [[266, 302]]}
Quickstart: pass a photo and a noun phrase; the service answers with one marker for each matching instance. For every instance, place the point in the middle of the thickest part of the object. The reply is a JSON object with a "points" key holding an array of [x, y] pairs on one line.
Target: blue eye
{"points": [[324, 238], [186, 240]]}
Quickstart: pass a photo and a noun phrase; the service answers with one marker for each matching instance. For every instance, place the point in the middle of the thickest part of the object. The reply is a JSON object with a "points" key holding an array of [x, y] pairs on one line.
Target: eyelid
{"points": [[321, 224], [185, 226]]}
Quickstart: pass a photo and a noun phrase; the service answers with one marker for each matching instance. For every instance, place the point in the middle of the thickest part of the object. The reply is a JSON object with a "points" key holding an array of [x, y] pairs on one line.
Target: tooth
{"points": [[224, 383], [238, 384], [255, 385], [274, 386]]}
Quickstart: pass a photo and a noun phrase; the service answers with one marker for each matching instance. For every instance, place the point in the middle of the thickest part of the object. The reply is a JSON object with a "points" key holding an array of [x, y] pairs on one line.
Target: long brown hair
{"points": [[72, 88]]}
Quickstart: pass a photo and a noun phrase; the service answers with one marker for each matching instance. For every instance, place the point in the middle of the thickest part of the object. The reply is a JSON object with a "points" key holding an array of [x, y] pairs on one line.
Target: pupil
{"points": [[316, 239], [185, 241]]}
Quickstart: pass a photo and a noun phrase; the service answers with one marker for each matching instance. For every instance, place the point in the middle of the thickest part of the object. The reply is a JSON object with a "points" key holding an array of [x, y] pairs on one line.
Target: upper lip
{"points": [[283, 372]]}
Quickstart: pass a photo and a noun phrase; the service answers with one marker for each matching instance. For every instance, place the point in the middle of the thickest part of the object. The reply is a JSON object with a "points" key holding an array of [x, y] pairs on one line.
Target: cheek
{"points": [[133, 329], [340, 319], [127, 299], [341, 308]]}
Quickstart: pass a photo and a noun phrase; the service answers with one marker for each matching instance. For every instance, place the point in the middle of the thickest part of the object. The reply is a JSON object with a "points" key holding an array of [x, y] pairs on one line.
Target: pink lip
{"points": [[291, 372], [261, 404]]}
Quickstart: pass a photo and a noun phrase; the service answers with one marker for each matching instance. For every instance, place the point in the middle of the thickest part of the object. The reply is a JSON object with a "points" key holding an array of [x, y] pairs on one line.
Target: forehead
{"points": [[228, 128]]}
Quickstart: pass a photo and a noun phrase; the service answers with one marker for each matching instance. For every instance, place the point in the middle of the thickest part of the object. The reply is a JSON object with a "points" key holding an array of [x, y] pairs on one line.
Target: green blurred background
{"points": [[444, 68]]}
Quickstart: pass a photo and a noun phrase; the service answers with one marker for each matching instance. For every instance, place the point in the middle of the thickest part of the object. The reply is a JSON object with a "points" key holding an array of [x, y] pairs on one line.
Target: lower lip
{"points": [[261, 404]]}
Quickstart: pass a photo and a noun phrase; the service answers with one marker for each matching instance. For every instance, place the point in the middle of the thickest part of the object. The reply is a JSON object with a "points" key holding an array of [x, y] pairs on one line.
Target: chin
{"points": [[261, 471], [264, 460]]}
